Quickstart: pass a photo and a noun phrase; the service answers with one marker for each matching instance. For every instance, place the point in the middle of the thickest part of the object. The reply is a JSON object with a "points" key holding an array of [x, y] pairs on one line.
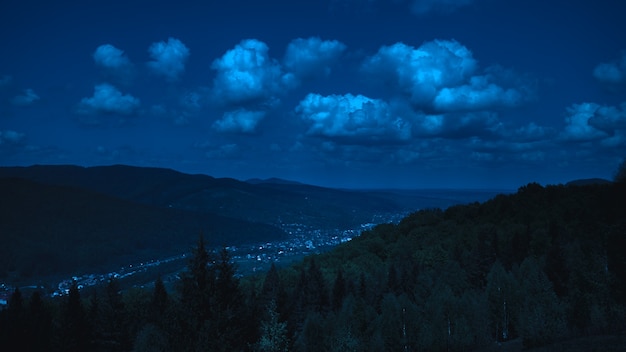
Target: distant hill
{"points": [[49, 229], [272, 180], [589, 181], [271, 201]]}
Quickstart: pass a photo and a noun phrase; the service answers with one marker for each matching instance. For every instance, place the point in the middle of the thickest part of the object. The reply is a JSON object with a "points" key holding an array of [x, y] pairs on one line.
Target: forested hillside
{"points": [[542, 266], [61, 230]]}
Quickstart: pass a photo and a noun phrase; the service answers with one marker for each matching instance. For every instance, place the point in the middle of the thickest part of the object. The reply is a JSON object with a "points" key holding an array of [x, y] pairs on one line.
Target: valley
{"points": [[64, 223]]}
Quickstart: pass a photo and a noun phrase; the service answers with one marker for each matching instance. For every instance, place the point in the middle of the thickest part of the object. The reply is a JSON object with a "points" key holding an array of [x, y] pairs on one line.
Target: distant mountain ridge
{"points": [[588, 181], [271, 201], [272, 180]]}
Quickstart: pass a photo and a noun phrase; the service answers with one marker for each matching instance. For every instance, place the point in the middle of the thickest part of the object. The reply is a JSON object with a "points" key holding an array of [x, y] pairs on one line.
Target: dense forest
{"points": [[540, 266]]}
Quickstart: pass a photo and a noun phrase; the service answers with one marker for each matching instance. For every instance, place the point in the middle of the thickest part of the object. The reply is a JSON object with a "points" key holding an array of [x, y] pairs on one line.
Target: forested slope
{"points": [[543, 264], [61, 230]]}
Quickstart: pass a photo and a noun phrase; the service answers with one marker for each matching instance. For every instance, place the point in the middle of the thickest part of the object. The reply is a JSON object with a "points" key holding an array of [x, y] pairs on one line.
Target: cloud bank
{"points": [[168, 58]]}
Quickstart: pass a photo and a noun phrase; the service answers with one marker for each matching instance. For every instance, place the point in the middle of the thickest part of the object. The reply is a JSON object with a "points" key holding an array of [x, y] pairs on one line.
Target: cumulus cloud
{"points": [[241, 120], [107, 99], [422, 72], [609, 118], [168, 58], [247, 74], [443, 75], [108, 56], [478, 94], [612, 72], [114, 62], [312, 56], [27, 98], [588, 122], [421, 7], [355, 118], [577, 126]]}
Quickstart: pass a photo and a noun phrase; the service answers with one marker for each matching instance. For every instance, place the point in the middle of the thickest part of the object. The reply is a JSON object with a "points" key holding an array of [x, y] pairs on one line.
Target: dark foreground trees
{"points": [[538, 266]]}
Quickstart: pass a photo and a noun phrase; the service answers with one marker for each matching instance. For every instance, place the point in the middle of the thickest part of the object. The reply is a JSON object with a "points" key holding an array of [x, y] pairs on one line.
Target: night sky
{"points": [[340, 93]]}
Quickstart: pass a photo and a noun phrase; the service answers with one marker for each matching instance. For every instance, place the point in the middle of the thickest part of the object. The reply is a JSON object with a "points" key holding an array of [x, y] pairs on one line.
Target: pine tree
{"points": [[159, 302], [74, 334], [316, 293], [112, 324], [273, 332], [231, 317], [339, 291], [39, 324], [541, 317], [501, 301], [196, 300], [15, 321]]}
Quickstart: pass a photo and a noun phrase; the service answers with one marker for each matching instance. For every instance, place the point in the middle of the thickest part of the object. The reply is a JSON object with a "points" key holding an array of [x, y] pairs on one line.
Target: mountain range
{"points": [[58, 219]]}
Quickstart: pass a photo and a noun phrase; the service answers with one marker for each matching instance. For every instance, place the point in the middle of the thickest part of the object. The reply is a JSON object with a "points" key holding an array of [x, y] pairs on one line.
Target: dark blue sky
{"points": [[347, 93]]}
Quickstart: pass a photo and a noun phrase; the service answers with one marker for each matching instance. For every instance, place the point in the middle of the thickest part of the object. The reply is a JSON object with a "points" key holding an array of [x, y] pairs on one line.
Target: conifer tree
{"points": [[339, 291], [39, 324], [159, 301], [74, 334], [273, 332], [14, 321]]}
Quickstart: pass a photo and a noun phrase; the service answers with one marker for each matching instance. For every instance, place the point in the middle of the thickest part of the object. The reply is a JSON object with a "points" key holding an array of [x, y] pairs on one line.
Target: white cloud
{"points": [[612, 72], [10, 137], [577, 126], [443, 75], [609, 118], [358, 119], [421, 7], [27, 98], [422, 72], [589, 122], [478, 94], [168, 58], [115, 63], [312, 56], [240, 120], [247, 74], [107, 99], [110, 57]]}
